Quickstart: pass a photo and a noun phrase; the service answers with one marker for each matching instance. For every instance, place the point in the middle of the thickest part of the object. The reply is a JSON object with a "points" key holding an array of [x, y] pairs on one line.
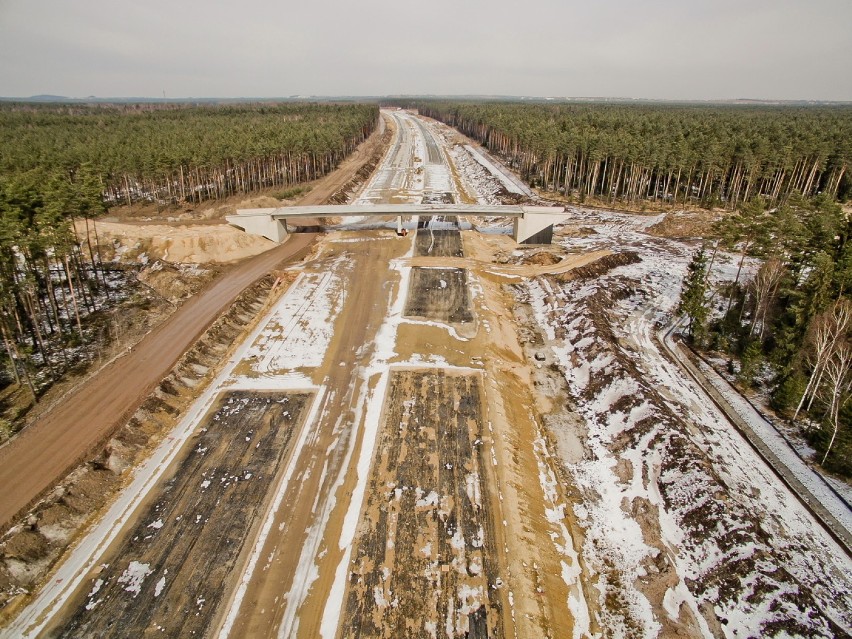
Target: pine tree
{"points": [[750, 362], [693, 301]]}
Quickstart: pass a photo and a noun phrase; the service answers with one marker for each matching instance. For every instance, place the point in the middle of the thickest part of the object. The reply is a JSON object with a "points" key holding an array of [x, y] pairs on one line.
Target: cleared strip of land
{"points": [[169, 574], [425, 561]]}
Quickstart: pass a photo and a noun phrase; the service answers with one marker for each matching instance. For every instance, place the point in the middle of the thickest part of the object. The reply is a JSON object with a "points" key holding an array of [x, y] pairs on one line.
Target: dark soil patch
{"points": [[439, 294], [427, 544], [600, 267], [438, 243]]}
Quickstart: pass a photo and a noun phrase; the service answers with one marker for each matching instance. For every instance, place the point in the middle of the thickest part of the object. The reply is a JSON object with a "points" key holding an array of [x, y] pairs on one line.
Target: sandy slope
{"points": [[188, 244]]}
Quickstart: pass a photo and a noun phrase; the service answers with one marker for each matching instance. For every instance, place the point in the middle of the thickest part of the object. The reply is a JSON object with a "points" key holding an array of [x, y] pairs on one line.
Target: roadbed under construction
{"points": [[425, 558], [439, 293], [169, 573]]}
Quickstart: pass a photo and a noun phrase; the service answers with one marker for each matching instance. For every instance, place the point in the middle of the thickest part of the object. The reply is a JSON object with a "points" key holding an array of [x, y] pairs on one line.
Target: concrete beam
{"points": [[532, 223]]}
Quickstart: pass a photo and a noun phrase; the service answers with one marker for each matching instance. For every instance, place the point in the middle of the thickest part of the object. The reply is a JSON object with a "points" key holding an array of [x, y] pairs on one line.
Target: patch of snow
{"points": [[159, 586], [430, 501], [302, 325], [134, 576]]}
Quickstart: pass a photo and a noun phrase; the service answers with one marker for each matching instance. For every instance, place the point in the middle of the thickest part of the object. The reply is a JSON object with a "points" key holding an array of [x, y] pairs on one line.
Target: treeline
{"points": [[61, 165], [702, 155], [790, 326], [169, 153]]}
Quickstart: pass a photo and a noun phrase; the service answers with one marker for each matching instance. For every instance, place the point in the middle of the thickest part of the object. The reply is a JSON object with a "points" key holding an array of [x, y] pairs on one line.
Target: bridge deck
{"points": [[392, 209]]}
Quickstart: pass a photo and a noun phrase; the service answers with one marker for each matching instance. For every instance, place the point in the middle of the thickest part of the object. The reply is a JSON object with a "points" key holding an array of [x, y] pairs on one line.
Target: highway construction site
{"points": [[443, 434]]}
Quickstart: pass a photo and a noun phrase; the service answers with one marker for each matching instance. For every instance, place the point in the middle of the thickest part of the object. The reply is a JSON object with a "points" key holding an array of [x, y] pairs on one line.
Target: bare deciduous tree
{"points": [[839, 382], [765, 289], [828, 332]]}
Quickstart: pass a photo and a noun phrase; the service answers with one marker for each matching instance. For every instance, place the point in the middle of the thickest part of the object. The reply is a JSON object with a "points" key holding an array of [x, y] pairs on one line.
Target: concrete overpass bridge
{"points": [[532, 224]]}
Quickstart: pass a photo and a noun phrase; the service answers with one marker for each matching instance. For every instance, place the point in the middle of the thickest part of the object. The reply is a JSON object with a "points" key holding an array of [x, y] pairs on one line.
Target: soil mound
{"points": [[599, 267], [685, 224], [542, 258]]}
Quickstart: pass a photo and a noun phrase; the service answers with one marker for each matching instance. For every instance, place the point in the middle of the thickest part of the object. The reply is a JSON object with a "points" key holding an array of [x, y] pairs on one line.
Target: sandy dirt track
{"points": [[36, 459]]}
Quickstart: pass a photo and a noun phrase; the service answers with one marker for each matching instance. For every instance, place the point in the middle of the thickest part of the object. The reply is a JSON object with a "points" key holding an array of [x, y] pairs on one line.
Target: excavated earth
{"points": [[426, 539], [439, 294], [169, 571]]}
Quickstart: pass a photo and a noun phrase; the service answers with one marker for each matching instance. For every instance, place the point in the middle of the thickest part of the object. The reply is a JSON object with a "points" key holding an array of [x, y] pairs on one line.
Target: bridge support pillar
{"points": [[535, 226], [263, 224]]}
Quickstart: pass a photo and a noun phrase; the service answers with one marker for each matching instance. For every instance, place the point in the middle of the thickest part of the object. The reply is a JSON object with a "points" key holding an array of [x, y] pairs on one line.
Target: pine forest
{"points": [[678, 154]]}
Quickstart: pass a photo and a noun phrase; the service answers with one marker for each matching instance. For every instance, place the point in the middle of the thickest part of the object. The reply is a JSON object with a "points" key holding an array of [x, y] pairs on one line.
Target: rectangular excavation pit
{"points": [[168, 575], [425, 559], [438, 243], [439, 294]]}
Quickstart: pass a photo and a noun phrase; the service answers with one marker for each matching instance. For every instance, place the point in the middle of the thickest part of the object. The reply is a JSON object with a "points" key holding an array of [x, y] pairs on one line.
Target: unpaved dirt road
{"points": [[44, 452]]}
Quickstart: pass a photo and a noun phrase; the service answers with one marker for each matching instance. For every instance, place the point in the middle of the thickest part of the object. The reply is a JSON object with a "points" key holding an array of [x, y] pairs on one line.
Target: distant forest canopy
{"points": [[683, 154], [168, 153]]}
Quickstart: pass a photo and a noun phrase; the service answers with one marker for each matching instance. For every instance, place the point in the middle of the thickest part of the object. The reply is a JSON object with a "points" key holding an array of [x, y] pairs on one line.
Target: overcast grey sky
{"points": [[669, 49]]}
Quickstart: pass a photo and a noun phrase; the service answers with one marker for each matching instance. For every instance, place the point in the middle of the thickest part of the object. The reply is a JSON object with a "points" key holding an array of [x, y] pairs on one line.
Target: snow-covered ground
{"points": [[511, 182], [299, 331], [684, 525], [484, 179]]}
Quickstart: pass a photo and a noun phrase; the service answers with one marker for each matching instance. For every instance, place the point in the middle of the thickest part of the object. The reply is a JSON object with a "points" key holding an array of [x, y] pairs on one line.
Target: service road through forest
{"points": [[490, 445]]}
